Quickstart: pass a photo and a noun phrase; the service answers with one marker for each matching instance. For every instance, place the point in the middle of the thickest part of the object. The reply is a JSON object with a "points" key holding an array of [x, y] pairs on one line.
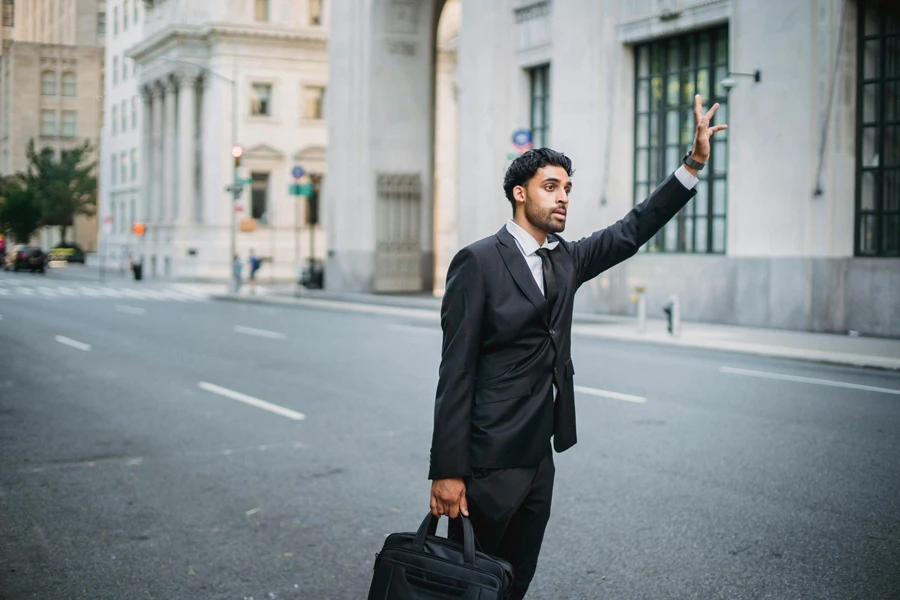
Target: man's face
{"points": [[546, 199]]}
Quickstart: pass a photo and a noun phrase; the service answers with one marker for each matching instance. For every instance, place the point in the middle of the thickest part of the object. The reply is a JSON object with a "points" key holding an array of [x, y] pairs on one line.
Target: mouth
{"points": [[560, 213]]}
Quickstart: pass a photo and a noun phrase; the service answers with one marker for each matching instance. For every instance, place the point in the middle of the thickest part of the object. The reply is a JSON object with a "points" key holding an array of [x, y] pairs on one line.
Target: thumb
{"points": [[464, 505]]}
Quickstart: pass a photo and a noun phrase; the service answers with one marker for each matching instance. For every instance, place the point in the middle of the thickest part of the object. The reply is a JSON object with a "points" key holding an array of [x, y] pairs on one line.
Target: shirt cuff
{"points": [[686, 179]]}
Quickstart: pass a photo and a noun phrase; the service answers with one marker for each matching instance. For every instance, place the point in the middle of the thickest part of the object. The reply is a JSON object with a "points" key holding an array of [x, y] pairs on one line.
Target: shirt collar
{"points": [[527, 244]]}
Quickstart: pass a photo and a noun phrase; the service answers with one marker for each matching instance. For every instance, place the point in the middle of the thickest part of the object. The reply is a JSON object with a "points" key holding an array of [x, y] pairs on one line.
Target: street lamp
{"points": [[236, 187]]}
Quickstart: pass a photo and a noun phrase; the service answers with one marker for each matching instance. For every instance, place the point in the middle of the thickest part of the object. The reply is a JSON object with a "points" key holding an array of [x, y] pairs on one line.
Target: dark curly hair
{"points": [[524, 168]]}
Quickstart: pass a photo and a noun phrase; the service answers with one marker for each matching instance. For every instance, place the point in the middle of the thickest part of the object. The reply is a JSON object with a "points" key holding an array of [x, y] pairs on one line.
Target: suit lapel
{"points": [[520, 272]]}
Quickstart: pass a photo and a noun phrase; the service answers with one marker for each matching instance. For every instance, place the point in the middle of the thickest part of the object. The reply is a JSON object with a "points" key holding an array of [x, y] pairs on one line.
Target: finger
{"points": [[434, 508], [464, 506], [698, 108], [713, 130], [712, 111], [454, 510]]}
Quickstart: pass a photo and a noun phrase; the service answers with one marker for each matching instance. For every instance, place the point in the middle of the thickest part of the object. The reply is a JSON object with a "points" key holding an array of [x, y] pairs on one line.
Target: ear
{"points": [[519, 194]]}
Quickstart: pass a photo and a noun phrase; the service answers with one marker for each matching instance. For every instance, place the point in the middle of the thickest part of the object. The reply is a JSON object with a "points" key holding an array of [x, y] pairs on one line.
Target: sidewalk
{"points": [[778, 343]]}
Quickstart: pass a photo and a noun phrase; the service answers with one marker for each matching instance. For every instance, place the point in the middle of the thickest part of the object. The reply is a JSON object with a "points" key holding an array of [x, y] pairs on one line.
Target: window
{"points": [[261, 100], [112, 168], [540, 106], [136, 18], [69, 123], [9, 13], [312, 212], [115, 120], [668, 74], [69, 84], [101, 23], [259, 196], [123, 166], [125, 16], [48, 122], [877, 231], [261, 12], [124, 68], [116, 21], [315, 12], [312, 102], [48, 83], [124, 116], [115, 70], [134, 110], [134, 164]]}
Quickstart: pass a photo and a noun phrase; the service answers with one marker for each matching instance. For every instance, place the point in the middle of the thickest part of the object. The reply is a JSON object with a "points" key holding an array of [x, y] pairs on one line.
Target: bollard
{"points": [[673, 315], [641, 309]]}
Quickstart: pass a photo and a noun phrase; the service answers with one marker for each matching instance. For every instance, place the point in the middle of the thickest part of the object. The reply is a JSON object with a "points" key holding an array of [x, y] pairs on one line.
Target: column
{"points": [[146, 154], [155, 213], [170, 155], [184, 206]]}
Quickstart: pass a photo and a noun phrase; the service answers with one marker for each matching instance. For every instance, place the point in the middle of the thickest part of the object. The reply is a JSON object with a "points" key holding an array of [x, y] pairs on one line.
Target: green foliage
{"points": [[63, 187], [20, 211]]}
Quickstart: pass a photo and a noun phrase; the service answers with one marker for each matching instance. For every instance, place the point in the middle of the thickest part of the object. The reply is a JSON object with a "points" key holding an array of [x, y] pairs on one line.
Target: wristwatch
{"points": [[695, 164]]}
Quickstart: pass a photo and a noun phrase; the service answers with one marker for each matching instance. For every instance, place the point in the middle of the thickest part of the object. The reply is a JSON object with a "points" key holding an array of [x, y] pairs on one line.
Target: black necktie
{"points": [[550, 290]]}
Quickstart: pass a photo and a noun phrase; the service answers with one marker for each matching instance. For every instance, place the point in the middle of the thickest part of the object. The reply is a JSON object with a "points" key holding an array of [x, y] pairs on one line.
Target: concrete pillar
{"points": [[155, 204], [146, 154], [184, 206], [170, 155]]}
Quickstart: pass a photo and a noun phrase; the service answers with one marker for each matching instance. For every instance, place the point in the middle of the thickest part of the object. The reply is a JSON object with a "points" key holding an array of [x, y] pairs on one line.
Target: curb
{"points": [[430, 314]]}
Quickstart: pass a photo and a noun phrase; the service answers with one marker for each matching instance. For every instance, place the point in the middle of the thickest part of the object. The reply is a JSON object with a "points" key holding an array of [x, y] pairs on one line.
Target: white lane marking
{"points": [[130, 310], [612, 395], [47, 291], [798, 379], [278, 410], [263, 333], [4, 292], [73, 343], [25, 290], [67, 291], [89, 292], [415, 328]]}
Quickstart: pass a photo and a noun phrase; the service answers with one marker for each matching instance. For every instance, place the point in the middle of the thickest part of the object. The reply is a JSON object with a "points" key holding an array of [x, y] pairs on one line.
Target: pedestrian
{"points": [[506, 375], [254, 267], [238, 270]]}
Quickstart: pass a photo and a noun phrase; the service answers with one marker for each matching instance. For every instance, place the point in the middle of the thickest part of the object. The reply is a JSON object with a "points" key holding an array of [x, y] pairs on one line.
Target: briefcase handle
{"points": [[429, 527]]}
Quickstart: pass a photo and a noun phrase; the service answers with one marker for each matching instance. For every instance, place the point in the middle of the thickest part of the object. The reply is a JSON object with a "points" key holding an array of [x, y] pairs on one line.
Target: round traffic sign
{"points": [[522, 138], [298, 172]]}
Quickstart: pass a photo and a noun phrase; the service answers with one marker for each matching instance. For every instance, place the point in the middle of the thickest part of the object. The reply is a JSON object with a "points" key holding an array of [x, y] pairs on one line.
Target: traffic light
{"points": [[138, 228], [237, 152]]}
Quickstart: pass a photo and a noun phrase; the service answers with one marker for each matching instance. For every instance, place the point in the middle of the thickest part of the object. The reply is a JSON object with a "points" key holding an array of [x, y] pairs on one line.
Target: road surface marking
{"points": [[415, 328], [795, 378], [47, 291], [25, 290], [67, 291], [263, 333], [73, 343], [607, 394], [130, 310], [4, 292], [278, 410]]}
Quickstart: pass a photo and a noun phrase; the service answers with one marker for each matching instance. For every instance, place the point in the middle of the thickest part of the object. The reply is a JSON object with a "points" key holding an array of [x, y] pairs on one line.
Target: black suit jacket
{"points": [[501, 351]]}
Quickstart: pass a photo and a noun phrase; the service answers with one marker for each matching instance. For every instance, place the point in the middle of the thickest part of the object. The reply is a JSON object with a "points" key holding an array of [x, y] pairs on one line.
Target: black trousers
{"points": [[509, 510]]}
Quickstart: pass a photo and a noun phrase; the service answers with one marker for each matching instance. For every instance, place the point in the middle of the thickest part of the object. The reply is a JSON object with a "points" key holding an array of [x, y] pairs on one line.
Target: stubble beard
{"points": [[542, 218]]}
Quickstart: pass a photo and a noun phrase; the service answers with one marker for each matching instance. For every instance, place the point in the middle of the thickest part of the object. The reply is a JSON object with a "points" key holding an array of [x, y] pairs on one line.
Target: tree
{"points": [[20, 211], [64, 187]]}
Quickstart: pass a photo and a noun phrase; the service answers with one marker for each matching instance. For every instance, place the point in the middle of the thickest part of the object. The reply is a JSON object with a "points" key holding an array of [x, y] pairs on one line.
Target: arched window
{"points": [[69, 85], [48, 83]]}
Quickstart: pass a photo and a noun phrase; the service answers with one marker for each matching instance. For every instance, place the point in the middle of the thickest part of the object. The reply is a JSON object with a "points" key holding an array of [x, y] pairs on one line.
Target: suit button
{"points": [[552, 332]]}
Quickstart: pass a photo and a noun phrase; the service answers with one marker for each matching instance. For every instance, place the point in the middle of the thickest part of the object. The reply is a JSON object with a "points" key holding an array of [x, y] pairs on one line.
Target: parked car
{"points": [[21, 257], [68, 251]]}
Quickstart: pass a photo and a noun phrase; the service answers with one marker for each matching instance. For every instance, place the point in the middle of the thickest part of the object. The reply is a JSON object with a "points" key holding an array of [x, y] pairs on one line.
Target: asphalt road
{"points": [[126, 473]]}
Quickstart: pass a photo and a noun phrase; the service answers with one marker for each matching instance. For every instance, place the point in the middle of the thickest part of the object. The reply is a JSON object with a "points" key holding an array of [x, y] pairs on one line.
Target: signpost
{"points": [[522, 142]]}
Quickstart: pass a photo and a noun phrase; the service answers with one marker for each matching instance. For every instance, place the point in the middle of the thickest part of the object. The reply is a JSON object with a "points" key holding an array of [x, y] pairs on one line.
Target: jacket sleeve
{"points": [[621, 240], [461, 317]]}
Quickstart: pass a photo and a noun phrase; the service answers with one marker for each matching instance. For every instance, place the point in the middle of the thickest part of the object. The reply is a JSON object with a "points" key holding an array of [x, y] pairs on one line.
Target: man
{"points": [[506, 377], [254, 267]]}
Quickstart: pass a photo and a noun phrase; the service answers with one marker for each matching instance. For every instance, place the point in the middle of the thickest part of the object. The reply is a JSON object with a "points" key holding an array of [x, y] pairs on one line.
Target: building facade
{"points": [[796, 220], [49, 94], [211, 76], [51, 88]]}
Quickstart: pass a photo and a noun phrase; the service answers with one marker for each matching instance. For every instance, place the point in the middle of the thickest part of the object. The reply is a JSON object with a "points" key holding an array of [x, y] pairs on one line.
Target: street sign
{"points": [[521, 139], [297, 172], [300, 189]]}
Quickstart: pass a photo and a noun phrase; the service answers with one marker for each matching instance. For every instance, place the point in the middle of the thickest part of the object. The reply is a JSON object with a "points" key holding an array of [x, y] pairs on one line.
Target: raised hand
{"points": [[704, 130]]}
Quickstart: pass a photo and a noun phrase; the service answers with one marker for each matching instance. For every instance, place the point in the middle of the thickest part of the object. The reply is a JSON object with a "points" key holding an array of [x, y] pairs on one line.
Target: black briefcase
{"points": [[422, 566]]}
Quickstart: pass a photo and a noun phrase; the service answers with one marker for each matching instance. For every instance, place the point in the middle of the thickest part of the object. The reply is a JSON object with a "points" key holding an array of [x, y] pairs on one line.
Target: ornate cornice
{"points": [[309, 38]]}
